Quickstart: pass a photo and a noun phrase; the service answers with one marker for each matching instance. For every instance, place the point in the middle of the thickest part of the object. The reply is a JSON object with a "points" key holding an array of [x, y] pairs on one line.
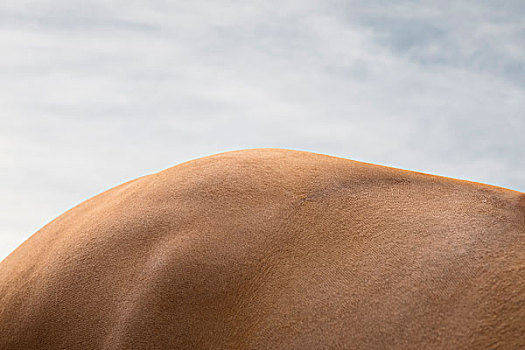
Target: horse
{"points": [[274, 249]]}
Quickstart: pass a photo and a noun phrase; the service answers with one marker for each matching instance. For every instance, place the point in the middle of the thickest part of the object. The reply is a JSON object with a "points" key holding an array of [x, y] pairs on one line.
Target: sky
{"points": [[93, 94]]}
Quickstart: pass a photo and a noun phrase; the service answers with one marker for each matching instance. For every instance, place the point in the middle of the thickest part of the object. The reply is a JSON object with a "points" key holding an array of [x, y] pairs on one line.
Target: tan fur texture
{"points": [[274, 249]]}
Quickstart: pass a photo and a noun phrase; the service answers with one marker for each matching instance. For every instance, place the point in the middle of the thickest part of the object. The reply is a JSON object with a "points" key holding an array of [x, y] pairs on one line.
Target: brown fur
{"points": [[267, 248]]}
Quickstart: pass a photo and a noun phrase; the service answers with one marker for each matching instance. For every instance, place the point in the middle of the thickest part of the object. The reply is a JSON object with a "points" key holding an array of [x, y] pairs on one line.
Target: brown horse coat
{"points": [[268, 248]]}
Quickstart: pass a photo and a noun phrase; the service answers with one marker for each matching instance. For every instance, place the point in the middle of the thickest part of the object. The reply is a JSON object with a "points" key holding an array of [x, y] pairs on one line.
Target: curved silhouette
{"points": [[274, 249]]}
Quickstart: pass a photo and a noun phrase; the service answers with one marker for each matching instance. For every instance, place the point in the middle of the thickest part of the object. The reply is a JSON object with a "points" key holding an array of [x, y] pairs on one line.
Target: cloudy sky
{"points": [[96, 93]]}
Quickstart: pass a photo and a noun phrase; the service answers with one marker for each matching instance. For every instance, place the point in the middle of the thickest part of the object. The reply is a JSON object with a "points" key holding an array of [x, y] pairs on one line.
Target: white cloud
{"points": [[93, 94]]}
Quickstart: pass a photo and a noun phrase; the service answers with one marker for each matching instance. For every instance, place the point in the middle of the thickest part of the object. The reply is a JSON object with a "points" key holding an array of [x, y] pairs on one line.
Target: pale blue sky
{"points": [[96, 93]]}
